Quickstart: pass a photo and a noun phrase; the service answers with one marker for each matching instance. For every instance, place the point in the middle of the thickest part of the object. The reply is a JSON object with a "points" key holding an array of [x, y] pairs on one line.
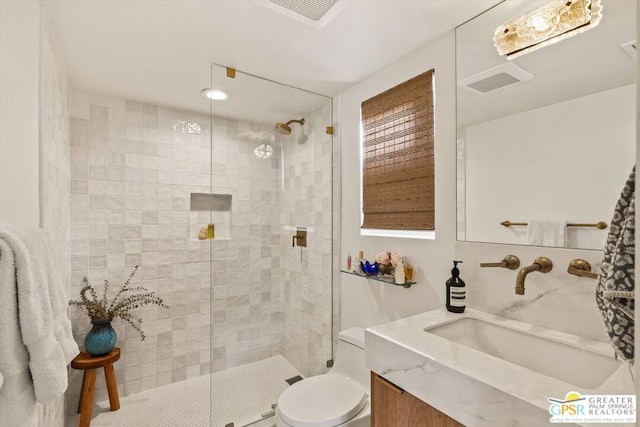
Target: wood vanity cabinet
{"points": [[391, 406]]}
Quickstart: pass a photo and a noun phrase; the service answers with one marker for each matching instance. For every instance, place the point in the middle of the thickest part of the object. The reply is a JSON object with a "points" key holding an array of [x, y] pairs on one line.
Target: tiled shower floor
{"points": [[239, 396]]}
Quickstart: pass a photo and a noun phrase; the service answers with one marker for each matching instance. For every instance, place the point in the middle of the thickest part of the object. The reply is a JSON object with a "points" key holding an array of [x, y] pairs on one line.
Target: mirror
{"points": [[549, 135]]}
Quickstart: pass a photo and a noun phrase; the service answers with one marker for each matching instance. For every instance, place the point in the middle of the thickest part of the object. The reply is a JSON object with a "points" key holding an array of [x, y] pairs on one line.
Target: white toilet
{"points": [[339, 398]]}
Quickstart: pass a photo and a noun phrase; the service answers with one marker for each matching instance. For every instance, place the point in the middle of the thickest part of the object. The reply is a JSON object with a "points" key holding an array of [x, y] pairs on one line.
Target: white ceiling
{"points": [[160, 51]]}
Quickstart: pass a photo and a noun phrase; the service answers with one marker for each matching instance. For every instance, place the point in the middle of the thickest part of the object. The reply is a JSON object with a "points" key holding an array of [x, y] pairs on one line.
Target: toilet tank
{"points": [[349, 360]]}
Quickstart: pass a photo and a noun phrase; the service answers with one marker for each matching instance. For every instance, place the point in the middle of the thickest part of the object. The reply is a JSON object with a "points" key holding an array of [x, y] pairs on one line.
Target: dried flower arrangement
{"points": [[126, 299]]}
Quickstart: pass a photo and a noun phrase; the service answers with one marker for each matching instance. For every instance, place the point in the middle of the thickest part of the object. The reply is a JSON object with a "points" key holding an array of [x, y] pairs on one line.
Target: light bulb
{"points": [[216, 94]]}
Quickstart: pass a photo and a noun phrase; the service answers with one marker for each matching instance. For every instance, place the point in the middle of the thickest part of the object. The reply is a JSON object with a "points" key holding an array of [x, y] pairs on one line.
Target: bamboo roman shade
{"points": [[398, 167]]}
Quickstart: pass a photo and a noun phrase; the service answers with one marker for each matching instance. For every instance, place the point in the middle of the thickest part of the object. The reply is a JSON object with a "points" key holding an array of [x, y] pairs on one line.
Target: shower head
{"points": [[285, 129]]}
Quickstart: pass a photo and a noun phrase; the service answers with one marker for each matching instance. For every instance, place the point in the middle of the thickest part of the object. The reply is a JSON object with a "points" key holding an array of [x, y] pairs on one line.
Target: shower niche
{"points": [[210, 216]]}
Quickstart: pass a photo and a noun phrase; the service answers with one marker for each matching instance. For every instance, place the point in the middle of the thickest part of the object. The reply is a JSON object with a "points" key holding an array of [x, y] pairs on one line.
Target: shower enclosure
{"points": [[212, 203], [271, 203]]}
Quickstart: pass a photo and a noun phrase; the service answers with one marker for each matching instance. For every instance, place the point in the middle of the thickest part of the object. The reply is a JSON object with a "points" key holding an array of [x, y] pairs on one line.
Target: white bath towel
{"points": [[547, 232], [35, 331]]}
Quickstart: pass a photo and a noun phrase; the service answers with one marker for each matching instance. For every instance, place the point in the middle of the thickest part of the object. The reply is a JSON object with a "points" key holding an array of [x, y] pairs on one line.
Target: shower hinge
{"points": [[231, 73], [329, 130], [330, 363]]}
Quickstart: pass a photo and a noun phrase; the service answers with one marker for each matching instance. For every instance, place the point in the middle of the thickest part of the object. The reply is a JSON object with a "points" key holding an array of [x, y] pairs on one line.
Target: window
{"points": [[398, 162]]}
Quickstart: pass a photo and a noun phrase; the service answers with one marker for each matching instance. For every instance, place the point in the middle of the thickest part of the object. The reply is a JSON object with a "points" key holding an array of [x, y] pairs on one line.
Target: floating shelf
{"points": [[384, 279]]}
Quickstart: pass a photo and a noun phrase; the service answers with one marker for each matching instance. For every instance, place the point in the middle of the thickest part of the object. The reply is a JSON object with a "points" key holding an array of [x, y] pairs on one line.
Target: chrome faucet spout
{"points": [[541, 264]]}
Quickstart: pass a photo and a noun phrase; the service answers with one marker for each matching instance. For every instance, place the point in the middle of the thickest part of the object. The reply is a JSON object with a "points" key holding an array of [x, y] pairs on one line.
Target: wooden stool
{"points": [[87, 363]]}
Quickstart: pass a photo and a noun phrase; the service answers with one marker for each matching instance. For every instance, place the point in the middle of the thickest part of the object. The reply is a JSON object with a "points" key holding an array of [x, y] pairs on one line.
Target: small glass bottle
{"points": [[398, 274], [408, 270], [211, 232], [349, 262], [360, 262]]}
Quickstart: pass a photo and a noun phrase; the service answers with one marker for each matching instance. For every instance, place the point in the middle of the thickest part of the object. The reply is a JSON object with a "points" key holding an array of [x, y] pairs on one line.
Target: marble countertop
{"points": [[473, 387]]}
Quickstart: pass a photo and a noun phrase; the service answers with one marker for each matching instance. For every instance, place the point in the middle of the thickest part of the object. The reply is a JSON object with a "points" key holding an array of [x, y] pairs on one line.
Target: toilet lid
{"points": [[321, 401]]}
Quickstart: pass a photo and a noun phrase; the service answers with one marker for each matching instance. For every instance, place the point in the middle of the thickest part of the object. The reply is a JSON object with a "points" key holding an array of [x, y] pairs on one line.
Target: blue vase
{"points": [[101, 338]]}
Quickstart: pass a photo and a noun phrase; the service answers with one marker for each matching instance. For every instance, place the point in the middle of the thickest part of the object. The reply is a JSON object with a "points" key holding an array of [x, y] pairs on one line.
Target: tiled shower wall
{"points": [[133, 167], [307, 272], [246, 311]]}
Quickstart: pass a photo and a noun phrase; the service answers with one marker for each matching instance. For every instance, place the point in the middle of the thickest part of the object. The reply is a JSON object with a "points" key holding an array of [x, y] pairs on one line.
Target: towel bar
{"points": [[600, 224]]}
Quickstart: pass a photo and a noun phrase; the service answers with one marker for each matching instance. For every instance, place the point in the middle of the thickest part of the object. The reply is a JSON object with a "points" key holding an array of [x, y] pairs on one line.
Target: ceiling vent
{"points": [[495, 78], [630, 49], [312, 12]]}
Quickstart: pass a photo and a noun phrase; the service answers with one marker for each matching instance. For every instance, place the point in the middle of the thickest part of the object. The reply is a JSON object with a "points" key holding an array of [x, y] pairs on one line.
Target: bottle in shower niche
{"points": [[456, 293]]}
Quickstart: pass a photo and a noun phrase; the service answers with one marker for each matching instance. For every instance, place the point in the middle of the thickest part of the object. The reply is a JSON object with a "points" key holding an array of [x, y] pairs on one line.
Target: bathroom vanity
{"points": [[392, 406], [480, 369]]}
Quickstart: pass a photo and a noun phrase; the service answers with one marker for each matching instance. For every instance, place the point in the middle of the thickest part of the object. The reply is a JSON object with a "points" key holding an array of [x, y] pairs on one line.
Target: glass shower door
{"points": [[271, 293]]}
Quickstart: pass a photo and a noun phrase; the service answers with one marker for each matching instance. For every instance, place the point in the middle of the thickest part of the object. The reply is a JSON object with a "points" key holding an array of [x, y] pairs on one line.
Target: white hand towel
{"points": [[547, 232]]}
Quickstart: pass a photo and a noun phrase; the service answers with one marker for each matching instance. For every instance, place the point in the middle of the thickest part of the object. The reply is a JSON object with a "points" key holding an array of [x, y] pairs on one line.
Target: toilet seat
{"points": [[321, 401]]}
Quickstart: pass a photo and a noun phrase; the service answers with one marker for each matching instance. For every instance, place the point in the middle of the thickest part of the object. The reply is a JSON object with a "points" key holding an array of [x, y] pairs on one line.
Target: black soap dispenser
{"points": [[456, 293]]}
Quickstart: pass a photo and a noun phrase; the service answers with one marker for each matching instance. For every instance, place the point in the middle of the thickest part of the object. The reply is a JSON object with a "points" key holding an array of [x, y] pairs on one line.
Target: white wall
{"points": [[367, 302], [22, 105], [513, 163], [55, 163], [54, 172], [19, 112]]}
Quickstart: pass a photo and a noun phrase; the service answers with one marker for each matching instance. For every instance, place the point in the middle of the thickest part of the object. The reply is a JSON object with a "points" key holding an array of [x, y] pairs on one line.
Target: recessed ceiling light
{"points": [[216, 94]]}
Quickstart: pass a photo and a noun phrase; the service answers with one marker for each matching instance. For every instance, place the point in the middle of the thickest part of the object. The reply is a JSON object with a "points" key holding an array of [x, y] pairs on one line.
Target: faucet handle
{"points": [[580, 267], [511, 262], [545, 264], [300, 238]]}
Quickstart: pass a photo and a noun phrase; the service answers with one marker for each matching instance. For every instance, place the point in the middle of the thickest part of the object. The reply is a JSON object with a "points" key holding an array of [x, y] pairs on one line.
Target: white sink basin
{"points": [[548, 355]]}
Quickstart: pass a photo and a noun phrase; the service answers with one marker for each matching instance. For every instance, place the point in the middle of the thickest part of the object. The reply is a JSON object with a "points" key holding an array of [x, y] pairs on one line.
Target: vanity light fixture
{"points": [[216, 94], [550, 23]]}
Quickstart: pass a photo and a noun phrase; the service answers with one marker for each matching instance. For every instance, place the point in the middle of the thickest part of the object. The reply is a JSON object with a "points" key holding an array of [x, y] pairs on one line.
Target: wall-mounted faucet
{"points": [[511, 262], [541, 264]]}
